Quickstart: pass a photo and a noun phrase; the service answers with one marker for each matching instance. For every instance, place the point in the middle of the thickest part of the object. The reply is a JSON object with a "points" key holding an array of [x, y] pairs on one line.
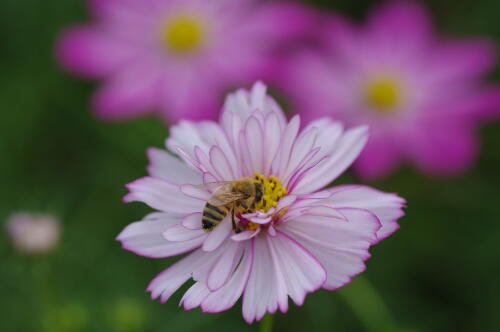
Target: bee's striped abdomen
{"points": [[212, 216]]}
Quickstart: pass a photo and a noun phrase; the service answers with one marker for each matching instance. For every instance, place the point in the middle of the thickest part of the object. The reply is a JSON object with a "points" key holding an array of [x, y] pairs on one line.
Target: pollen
{"points": [[184, 34], [272, 190], [383, 94]]}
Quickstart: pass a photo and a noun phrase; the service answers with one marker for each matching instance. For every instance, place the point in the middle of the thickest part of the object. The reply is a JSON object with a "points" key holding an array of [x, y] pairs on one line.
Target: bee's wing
{"points": [[215, 186], [224, 198]]}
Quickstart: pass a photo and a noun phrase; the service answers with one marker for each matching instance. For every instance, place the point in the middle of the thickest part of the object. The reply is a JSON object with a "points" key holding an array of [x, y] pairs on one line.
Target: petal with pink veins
{"points": [[341, 247], [387, 207]]}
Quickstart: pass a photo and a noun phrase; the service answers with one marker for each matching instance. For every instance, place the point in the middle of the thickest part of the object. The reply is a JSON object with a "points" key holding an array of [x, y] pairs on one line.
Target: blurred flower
{"points": [[33, 233], [423, 96], [176, 56], [294, 240]]}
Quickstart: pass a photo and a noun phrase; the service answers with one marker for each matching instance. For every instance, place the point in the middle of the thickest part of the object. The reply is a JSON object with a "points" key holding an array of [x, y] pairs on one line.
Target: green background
{"points": [[439, 272]]}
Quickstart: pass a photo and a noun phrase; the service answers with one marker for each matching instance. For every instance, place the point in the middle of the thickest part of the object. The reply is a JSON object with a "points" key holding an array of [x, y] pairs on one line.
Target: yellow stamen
{"points": [[183, 34], [383, 94], [272, 190]]}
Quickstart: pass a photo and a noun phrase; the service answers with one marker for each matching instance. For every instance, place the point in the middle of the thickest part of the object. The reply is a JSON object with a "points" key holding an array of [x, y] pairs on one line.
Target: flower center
{"points": [[271, 191], [383, 94], [183, 34]]}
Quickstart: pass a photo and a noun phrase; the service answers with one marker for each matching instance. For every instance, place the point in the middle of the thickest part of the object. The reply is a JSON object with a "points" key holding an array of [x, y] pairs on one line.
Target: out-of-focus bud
{"points": [[33, 233]]}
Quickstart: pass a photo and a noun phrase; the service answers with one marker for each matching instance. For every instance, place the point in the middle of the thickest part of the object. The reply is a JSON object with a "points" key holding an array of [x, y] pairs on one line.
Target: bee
{"points": [[229, 197]]}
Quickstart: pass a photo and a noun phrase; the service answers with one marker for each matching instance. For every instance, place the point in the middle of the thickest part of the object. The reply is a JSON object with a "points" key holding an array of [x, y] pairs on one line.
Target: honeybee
{"points": [[228, 197]]}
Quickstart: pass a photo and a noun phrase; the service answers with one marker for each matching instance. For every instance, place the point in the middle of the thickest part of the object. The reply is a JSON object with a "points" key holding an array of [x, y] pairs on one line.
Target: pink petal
{"points": [[445, 152], [131, 92], [89, 52], [380, 157]]}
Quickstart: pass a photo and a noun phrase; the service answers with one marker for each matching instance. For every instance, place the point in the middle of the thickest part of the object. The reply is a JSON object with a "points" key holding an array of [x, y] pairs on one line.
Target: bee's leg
{"points": [[232, 220]]}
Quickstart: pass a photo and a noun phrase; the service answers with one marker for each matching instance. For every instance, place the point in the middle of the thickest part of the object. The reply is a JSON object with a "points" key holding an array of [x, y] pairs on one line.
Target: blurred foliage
{"points": [[438, 273]]}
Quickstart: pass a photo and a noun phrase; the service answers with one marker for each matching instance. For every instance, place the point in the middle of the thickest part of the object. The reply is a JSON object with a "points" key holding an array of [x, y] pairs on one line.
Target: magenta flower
{"points": [[296, 238], [422, 95], [176, 56]]}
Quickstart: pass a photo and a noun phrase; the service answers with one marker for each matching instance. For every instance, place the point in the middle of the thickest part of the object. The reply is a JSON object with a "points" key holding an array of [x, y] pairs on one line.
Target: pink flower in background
{"points": [[295, 239], [423, 96], [33, 233], [176, 56]]}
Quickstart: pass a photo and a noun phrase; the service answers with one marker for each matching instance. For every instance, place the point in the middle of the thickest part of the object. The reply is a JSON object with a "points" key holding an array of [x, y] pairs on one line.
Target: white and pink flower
{"points": [[305, 238]]}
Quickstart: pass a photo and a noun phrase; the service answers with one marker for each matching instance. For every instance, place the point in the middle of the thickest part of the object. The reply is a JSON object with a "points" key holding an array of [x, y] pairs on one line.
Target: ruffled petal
{"points": [[387, 207], [265, 289], [218, 235], [162, 195], [145, 238], [346, 151], [226, 296], [165, 166], [301, 272], [340, 246]]}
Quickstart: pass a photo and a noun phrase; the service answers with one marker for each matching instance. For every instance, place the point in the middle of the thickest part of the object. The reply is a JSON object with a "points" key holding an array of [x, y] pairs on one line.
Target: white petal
{"points": [[165, 166], [221, 164], [179, 233], [162, 195], [145, 238], [226, 297], [341, 247], [222, 270], [195, 265], [245, 235], [301, 271], [194, 295], [347, 150], [196, 192], [218, 235], [192, 221], [265, 289], [288, 138]]}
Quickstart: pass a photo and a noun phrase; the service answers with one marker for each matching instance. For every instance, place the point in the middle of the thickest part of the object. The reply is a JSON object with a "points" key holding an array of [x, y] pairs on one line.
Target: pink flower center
{"points": [[183, 34], [383, 94]]}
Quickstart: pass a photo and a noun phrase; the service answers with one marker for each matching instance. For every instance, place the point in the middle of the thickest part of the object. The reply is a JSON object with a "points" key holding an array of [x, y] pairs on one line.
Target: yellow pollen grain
{"points": [[272, 190], [383, 94], [183, 34]]}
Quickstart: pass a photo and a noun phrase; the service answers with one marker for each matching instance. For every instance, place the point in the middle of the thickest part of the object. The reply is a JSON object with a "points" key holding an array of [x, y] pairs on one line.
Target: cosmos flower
{"points": [[177, 56], [298, 238], [423, 96], [33, 233]]}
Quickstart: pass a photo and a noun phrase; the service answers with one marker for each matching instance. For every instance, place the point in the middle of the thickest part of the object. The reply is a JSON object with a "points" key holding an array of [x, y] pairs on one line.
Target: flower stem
{"points": [[266, 324], [369, 306]]}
